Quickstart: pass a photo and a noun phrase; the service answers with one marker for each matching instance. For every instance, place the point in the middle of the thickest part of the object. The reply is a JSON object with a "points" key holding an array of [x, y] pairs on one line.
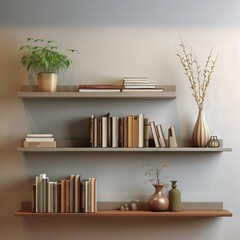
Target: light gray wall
{"points": [[115, 39]]}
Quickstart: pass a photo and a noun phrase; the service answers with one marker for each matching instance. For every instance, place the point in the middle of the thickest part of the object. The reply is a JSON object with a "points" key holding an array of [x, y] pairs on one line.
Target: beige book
{"points": [[71, 193], [27, 144], [77, 193], [93, 195]]}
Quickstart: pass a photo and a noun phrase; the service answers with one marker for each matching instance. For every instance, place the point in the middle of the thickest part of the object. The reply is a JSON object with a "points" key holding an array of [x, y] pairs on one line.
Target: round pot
{"points": [[47, 82]]}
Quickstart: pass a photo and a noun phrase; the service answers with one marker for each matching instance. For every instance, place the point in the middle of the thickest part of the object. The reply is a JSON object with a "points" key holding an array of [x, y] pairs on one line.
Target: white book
{"points": [[100, 90], [140, 130], [39, 135], [114, 131], [154, 133], [132, 78], [37, 200], [142, 90], [139, 86], [139, 83], [37, 139], [161, 136], [104, 131]]}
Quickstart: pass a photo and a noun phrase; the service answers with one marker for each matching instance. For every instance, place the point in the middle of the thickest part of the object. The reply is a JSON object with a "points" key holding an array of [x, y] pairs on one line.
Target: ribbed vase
{"points": [[201, 134]]}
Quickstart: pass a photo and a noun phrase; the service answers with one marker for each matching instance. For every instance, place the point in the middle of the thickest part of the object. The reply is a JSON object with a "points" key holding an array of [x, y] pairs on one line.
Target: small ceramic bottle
{"points": [[174, 198]]}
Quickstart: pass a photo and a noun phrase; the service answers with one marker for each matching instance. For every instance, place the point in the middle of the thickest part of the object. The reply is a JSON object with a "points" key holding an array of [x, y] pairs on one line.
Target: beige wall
{"points": [[108, 53]]}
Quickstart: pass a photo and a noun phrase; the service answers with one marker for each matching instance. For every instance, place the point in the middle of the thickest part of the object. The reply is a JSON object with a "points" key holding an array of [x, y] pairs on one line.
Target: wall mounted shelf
{"points": [[87, 149], [143, 213], [71, 92]]}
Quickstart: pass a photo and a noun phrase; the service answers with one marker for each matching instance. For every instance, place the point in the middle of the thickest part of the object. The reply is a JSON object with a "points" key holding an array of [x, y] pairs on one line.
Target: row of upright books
{"points": [[67, 196], [39, 140], [132, 131], [127, 84]]}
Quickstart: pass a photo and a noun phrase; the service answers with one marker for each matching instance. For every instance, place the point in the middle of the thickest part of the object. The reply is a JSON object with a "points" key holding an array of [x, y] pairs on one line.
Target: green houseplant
{"points": [[45, 58]]}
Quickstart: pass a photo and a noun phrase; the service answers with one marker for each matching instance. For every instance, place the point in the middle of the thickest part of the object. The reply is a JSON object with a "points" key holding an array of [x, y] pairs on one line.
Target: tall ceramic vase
{"points": [[201, 134], [158, 202]]}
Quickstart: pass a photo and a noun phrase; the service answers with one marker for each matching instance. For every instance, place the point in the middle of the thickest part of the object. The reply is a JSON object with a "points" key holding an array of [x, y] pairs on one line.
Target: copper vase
{"points": [[158, 202]]}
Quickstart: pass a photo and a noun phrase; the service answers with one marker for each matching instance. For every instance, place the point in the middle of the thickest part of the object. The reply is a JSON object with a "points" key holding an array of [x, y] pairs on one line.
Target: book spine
{"points": [[130, 127], [135, 132], [154, 133], [45, 194], [109, 129], [104, 131], [71, 193], [161, 136], [59, 194], [63, 195], [34, 198], [32, 135], [82, 202], [67, 196], [91, 131], [114, 131], [99, 132], [141, 130], [95, 132], [55, 197], [37, 139], [121, 132], [146, 132], [77, 194], [92, 200], [39, 144], [50, 197], [125, 132]]}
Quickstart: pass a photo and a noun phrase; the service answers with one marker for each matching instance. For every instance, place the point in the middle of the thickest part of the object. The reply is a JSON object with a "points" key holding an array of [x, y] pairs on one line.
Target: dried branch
{"points": [[192, 69]]}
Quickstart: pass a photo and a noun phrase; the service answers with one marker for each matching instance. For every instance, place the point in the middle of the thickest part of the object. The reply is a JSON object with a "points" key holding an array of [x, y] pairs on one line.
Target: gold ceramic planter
{"points": [[47, 82]]}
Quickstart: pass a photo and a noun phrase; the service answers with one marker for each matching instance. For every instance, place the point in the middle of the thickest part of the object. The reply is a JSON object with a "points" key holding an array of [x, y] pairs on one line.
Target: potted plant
{"points": [[45, 58]]}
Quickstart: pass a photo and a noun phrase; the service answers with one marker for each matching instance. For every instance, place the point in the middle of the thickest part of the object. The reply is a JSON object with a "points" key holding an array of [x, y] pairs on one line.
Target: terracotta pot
{"points": [[47, 82]]}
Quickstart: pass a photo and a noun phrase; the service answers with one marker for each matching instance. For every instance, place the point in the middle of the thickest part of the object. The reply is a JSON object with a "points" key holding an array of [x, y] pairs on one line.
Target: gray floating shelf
{"points": [[71, 92]]}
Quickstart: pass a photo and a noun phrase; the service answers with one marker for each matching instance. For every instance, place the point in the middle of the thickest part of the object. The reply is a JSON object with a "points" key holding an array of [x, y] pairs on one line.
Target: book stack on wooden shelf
{"points": [[138, 84], [39, 140], [114, 131], [67, 196]]}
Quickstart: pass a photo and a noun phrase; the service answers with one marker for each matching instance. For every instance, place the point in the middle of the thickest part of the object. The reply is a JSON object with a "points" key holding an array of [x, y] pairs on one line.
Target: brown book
{"points": [[63, 195], [91, 130], [27, 144], [130, 131], [34, 198], [72, 193], [59, 197], [77, 193], [135, 131], [67, 203], [99, 133]]}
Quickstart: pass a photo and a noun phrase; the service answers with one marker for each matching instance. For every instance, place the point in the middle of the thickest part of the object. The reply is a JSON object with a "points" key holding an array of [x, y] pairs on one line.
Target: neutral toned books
{"points": [[66, 196], [115, 131], [39, 140]]}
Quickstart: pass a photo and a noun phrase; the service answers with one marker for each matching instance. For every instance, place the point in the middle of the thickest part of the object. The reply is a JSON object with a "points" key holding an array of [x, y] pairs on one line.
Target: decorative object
{"points": [[44, 58], [213, 142], [134, 206], [158, 201], [200, 132], [174, 198], [124, 207], [199, 87]]}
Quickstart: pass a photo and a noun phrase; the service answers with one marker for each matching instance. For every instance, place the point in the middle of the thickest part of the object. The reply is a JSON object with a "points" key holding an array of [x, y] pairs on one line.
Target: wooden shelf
{"points": [[117, 213], [71, 92], [151, 149]]}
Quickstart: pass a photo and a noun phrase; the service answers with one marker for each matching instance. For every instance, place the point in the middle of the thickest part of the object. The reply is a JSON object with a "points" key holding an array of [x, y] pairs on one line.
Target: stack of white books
{"points": [[39, 140], [131, 84]]}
